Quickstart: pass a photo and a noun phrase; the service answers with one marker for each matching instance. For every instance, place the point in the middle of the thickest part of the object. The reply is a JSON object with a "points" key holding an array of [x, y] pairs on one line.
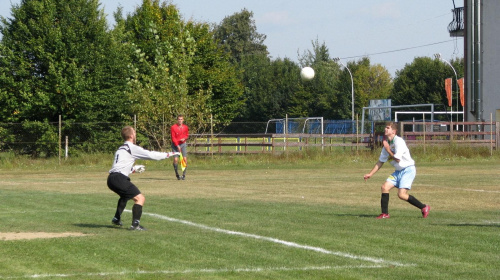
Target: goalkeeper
{"points": [[119, 181]]}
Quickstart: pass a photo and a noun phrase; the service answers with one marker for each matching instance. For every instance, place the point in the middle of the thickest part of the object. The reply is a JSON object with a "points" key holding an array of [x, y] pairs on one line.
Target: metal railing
{"points": [[457, 26]]}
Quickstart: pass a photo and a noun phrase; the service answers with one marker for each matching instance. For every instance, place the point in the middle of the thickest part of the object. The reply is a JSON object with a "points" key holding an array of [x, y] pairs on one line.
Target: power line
{"points": [[399, 50]]}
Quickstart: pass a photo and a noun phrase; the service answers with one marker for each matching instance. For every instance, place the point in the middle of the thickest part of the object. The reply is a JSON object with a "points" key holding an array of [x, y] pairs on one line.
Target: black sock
{"points": [[122, 202], [175, 168], [184, 172], [136, 214], [384, 203], [415, 202]]}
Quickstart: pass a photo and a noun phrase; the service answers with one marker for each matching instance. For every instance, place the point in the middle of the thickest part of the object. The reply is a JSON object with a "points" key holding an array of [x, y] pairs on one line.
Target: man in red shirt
{"points": [[180, 133]]}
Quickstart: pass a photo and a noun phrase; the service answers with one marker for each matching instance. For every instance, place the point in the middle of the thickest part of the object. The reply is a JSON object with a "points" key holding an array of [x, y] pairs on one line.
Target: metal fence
{"points": [[64, 139]]}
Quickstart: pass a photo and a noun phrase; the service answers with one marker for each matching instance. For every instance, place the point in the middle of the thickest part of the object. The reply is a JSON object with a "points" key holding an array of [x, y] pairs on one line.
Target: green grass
{"points": [[308, 199]]}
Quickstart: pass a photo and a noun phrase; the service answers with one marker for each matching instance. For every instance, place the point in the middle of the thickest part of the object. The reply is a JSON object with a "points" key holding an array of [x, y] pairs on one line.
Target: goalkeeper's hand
{"points": [[138, 168], [169, 154]]}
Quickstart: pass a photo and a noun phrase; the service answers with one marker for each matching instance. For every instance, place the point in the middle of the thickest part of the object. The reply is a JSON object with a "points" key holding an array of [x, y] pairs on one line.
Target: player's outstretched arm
{"points": [[169, 154], [377, 166]]}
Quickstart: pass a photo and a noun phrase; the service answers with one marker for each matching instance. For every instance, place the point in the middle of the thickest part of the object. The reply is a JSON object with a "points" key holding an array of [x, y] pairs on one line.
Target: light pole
{"points": [[438, 57], [337, 59]]}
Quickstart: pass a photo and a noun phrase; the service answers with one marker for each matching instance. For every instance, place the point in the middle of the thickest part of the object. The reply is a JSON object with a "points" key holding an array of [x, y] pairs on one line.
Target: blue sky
{"points": [[390, 32]]}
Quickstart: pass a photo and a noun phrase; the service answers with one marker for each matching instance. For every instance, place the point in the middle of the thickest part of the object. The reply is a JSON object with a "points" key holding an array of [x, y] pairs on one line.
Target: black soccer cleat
{"points": [[138, 227], [183, 177], [178, 177], [116, 222]]}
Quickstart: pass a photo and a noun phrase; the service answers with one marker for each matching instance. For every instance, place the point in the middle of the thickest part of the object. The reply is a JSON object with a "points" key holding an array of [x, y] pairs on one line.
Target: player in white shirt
{"points": [[395, 148], [119, 181]]}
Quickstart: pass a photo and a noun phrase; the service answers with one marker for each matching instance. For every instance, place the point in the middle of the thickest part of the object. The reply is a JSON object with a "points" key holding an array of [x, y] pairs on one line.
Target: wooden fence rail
{"points": [[468, 133], [269, 143], [442, 133]]}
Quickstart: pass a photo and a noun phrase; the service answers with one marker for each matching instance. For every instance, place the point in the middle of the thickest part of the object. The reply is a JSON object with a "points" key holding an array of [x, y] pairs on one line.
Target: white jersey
{"points": [[400, 151], [126, 155]]}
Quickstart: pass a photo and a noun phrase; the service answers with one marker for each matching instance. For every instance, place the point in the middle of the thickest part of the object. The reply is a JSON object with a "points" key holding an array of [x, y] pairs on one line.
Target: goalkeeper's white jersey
{"points": [[400, 151], [126, 155]]}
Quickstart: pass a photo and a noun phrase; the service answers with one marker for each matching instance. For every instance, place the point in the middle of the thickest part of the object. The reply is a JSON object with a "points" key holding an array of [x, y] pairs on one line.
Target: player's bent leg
{"points": [[403, 194], [139, 199], [137, 212], [386, 187], [384, 200]]}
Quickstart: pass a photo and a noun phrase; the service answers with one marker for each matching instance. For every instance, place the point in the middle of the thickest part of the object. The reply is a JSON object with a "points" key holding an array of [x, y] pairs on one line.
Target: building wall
{"points": [[490, 26]]}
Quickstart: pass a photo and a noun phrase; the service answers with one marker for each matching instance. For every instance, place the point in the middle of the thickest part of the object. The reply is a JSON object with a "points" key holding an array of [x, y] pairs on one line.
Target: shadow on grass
{"points": [[475, 225], [355, 215], [154, 179], [97, 226]]}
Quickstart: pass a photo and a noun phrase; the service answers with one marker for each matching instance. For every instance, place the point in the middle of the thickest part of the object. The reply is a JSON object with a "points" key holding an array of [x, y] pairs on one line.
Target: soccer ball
{"points": [[307, 73]]}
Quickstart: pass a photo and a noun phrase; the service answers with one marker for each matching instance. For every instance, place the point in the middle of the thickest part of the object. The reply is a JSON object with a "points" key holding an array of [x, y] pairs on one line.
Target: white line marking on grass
{"points": [[473, 190], [278, 241], [461, 189], [193, 271]]}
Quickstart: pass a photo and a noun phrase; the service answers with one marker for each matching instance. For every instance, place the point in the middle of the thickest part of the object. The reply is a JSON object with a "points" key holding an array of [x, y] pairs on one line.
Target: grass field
{"points": [[233, 219]]}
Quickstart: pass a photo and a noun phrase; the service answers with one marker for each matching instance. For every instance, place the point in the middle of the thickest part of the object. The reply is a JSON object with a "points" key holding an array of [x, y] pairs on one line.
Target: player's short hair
{"points": [[127, 132], [393, 125], [180, 116]]}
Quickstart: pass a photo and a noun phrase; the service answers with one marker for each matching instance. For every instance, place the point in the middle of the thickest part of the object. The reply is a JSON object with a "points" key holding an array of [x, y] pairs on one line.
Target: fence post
{"points": [[491, 134], [497, 134], [423, 121], [66, 148], [60, 139], [212, 134], [451, 132]]}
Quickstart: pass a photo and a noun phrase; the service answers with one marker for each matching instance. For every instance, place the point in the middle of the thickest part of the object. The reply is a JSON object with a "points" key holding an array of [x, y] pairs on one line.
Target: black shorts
{"points": [[122, 186]]}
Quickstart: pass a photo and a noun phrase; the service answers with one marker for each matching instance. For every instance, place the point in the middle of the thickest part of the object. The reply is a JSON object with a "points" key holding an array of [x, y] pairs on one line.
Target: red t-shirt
{"points": [[178, 132]]}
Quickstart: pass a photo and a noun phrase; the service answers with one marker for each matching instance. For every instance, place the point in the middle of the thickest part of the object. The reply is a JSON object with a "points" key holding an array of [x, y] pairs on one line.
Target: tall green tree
{"points": [[316, 98], [269, 86], [370, 82], [212, 74], [161, 52], [177, 69], [59, 60], [422, 82], [237, 35]]}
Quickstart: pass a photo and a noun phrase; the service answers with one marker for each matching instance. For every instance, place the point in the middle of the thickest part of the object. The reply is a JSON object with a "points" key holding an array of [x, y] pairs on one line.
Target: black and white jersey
{"points": [[126, 155]]}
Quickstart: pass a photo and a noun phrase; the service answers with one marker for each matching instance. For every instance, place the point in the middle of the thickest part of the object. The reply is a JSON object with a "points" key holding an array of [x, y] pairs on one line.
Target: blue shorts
{"points": [[402, 179]]}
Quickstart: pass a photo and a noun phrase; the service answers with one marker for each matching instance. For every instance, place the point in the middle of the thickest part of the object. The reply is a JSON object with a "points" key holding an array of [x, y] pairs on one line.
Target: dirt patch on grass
{"points": [[34, 235]]}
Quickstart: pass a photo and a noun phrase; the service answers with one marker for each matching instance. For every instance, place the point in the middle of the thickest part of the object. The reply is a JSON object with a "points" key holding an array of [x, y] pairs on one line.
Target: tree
{"points": [[317, 97], [161, 52], [60, 59], [177, 68], [269, 87], [370, 82], [212, 74], [238, 36], [422, 82]]}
